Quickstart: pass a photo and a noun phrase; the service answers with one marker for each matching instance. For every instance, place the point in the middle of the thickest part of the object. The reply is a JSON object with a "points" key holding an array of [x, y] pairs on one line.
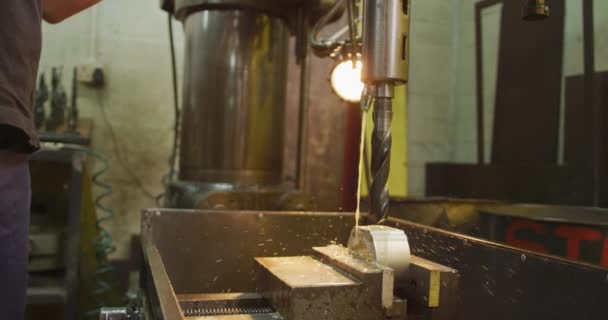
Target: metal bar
{"points": [[479, 6], [352, 31], [303, 103], [168, 302], [589, 67]]}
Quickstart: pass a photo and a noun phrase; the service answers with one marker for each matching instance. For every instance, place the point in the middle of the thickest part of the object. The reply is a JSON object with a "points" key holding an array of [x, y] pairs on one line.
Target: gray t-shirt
{"points": [[20, 43]]}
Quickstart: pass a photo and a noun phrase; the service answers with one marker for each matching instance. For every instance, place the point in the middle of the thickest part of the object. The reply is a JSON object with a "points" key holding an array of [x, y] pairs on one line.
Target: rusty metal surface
{"points": [[213, 251], [321, 154], [501, 282]]}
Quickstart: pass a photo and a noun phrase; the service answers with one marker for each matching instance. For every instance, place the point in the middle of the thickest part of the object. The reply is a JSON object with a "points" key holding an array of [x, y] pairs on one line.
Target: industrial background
{"points": [[130, 40], [483, 198]]}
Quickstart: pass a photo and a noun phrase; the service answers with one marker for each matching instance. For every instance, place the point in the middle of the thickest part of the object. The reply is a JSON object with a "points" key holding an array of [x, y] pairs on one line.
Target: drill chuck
{"points": [[385, 41]]}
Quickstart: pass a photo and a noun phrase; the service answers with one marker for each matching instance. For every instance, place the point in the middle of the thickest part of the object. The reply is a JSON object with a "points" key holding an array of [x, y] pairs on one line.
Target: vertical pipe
{"points": [[352, 30], [302, 116]]}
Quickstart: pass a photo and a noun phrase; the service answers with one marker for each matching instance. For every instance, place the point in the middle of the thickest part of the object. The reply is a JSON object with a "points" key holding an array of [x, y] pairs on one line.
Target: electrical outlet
{"points": [[91, 73]]}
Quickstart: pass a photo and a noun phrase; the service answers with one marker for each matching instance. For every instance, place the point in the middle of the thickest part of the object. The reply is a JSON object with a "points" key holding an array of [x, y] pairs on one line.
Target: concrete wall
{"points": [[130, 39], [464, 134]]}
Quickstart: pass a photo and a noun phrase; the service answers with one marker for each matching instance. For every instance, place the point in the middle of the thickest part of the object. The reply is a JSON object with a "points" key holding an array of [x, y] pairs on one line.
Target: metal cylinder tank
{"points": [[233, 97]]}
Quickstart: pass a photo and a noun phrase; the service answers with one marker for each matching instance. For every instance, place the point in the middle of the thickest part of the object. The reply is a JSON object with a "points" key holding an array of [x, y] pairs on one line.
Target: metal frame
{"points": [[502, 282]]}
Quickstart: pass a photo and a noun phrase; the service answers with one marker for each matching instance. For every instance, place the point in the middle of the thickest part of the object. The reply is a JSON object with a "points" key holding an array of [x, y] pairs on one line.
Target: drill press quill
{"points": [[385, 66]]}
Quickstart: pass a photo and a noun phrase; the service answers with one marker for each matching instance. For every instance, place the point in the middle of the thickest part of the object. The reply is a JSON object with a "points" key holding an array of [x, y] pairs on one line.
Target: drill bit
{"points": [[381, 158]]}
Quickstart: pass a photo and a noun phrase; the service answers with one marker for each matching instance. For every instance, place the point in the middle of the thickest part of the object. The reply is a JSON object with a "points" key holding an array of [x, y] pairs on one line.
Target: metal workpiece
{"points": [[427, 289], [384, 245], [535, 9], [385, 41], [233, 97], [381, 157], [378, 279]]}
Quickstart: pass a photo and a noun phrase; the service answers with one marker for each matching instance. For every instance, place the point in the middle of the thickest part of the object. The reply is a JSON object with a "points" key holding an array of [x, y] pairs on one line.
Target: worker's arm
{"points": [[55, 11]]}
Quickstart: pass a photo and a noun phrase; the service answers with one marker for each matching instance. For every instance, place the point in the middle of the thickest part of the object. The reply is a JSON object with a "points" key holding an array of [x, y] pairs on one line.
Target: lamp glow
{"points": [[346, 81]]}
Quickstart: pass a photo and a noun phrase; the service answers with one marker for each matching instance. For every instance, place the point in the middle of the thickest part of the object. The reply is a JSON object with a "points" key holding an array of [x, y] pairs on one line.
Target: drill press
{"points": [[385, 66]]}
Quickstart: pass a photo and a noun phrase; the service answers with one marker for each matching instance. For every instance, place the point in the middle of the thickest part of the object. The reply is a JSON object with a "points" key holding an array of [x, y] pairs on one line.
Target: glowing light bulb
{"points": [[346, 81]]}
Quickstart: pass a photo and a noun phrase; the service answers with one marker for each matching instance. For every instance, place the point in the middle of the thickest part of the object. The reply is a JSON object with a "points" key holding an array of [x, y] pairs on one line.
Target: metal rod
{"points": [[479, 89], [352, 31], [342, 31], [302, 115], [176, 110]]}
